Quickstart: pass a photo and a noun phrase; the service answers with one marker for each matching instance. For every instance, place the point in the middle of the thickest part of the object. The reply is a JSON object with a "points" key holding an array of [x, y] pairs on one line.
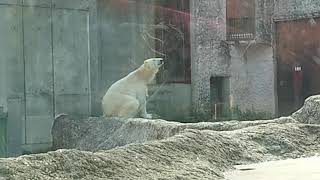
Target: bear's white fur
{"points": [[127, 97]]}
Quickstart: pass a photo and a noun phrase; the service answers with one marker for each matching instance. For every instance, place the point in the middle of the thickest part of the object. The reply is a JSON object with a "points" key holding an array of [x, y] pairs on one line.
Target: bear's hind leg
{"points": [[130, 109]]}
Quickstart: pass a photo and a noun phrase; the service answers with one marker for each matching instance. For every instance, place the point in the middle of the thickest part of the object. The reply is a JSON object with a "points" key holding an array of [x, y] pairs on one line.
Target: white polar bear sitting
{"points": [[126, 98]]}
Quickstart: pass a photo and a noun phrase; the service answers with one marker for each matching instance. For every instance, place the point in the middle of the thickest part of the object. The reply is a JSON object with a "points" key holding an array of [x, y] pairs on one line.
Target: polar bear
{"points": [[126, 98]]}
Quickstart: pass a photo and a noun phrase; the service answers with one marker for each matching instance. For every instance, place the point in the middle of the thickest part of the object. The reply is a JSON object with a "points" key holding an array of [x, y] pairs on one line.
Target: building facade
{"points": [[260, 74], [226, 60]]}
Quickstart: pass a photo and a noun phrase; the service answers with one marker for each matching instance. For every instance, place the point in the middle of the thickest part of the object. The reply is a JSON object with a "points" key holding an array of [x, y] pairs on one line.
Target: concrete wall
{"points": [[11, 54], [122, 49], [263, 14], [170, 101], [114, 47], [209, 56], [293, 9], [252, 80], [45, 63], [250, 68], [269, 12]]}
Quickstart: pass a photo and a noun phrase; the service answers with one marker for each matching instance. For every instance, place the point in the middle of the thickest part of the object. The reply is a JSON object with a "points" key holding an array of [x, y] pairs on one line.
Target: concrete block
{"points": [[36, 148], [38, 129], [71, 52], [72, 104], [39, 3], [13, 2], [11, 64], [71, 62], [170, 101], [72, 4]]}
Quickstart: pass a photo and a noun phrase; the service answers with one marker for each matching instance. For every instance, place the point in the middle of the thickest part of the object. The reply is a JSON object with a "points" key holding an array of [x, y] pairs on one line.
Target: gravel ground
{"points": [[192, 154]]}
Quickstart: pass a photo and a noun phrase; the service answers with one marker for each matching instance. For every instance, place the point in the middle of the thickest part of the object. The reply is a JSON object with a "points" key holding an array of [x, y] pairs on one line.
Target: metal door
{"points": [[298, 62]]}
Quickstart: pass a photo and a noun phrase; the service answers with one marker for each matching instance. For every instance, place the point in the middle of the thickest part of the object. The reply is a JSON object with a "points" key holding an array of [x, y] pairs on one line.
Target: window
{"points": [[240, 19], [175, 40]]}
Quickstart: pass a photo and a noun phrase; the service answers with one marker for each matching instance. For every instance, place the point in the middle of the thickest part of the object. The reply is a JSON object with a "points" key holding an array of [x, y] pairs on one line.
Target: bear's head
{"points": [[149, 68], [153, 64]]}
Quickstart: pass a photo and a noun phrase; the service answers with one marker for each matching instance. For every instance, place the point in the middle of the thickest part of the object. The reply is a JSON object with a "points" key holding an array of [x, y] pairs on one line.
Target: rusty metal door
{"points": [[298, 62]]}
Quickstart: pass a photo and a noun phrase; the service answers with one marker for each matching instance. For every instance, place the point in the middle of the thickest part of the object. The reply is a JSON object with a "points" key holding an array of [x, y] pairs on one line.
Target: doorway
{"points": [[298, 63], [219, 98]]}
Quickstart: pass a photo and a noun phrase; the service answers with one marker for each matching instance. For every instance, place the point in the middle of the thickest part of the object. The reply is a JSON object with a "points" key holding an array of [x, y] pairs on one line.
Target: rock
{"points": [[191, 154], [154, 149], [83, 134], [310, 111], [97, 133]]}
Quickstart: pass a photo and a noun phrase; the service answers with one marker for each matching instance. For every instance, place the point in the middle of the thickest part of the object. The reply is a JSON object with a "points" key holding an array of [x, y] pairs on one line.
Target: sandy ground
{"points": [[292, 169]]}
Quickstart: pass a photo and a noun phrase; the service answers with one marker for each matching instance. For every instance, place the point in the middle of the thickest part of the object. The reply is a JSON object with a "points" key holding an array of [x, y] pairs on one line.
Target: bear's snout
{"points": [[154, 62]]}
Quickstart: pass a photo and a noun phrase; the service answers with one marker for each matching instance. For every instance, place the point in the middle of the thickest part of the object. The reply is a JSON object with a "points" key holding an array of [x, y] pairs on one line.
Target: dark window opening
{"points": [[240, 20], [175, 40]]}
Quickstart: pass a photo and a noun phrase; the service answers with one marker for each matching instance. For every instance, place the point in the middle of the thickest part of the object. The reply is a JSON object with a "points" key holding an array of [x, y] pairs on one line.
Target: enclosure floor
{"points": [[292, 169]]}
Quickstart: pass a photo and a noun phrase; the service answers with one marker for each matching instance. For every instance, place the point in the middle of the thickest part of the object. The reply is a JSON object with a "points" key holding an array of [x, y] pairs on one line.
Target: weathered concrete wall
{"points": [[122, 48], [263, 14], [38, 74], [45, 63], [252, 81], [269, 10], [251, 69], [11, 54], [209, 57], [293, 9], [170, 101]]}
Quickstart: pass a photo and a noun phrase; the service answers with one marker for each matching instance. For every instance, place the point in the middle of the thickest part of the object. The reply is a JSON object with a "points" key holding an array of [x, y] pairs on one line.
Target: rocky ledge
{"points": [[98, 148]]}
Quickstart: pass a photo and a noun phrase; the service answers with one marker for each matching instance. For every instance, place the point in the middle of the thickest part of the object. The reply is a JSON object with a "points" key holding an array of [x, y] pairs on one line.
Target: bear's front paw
{"points": [[147, 116]]}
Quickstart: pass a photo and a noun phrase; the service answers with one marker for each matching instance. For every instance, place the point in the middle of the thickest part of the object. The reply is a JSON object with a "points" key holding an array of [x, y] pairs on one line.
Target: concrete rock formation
{"points": [[310, 111], [201, 154], [97, 133], [152, 149]]}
